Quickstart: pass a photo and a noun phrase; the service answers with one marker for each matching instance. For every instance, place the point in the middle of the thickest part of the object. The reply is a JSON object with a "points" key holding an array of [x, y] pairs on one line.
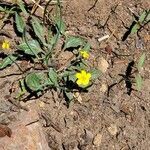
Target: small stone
{"points": [[41, 104], [97, 140], [78, 97], [112, 129], [139, 43], [102, 64], [103, 38], [103, 88], [88, 136]]}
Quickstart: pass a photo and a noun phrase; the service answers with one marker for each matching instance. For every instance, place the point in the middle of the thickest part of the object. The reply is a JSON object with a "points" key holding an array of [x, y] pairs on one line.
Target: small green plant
{"points": [[132, 75], [38, 40], [138, 77], [143, 19], [138, 23]]}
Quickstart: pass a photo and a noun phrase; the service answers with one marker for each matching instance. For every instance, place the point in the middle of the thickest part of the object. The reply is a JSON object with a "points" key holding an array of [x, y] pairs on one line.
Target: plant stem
{"points": [[16, 64], [25, 39], [58, 31]]}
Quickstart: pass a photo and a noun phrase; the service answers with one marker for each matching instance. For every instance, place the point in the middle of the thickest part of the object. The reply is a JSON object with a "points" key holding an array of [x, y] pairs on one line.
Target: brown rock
{"points": [[27, 133], [102, 64]]}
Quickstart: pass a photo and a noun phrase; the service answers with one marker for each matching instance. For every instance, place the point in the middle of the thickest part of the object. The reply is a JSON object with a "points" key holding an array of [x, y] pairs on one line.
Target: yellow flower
{"points": [[83, 78], [6, 45], [84, 54]]}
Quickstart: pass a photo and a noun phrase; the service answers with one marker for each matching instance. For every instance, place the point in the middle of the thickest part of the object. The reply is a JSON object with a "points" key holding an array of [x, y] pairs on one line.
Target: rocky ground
{"points": [[95, 121]]}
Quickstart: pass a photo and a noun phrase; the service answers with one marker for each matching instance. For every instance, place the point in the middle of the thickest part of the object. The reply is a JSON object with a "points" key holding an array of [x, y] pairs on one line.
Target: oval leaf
{"points": [[53, 76], [60, 25], [19, 22], [10, 59], [35, 81], [38, 28], [73, 42], [34, 45]]}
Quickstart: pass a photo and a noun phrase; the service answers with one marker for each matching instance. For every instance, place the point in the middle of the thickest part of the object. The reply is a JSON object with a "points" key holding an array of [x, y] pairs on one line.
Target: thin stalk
{"points": [[58, 31], [26, 41], [16, 64]]}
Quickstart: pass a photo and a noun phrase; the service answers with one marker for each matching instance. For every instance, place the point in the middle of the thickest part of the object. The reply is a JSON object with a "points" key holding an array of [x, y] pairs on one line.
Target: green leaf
{"points": [[38, 28], [10, 59], [54, 39], [69, 75], [22, 89], [2, 9], [69, 96], [34, 45], [19, 22], [82, 65], [135, 28], [143, 16], [95, 73], [22, 86], [72, 77], [65, 73], [35, 81], [139, 81], [87, 47], [21, 5], [61, 26], [49, 35], [53, 76], [148, 16], [73, 42], [141, 61], [48, 82]]}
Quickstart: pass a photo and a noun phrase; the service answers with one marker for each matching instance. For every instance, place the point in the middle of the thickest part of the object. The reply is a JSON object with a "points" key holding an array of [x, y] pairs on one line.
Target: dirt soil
{"points": [[99, 122]]}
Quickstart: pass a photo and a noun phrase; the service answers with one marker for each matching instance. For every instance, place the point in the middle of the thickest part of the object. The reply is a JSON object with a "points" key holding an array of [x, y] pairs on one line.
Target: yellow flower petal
{"points": [[83, 78], [78, 75], [6, 44], [79, 82], [88, 75], [86, 82], [83, 72], [84, 54], [81, 52]]}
